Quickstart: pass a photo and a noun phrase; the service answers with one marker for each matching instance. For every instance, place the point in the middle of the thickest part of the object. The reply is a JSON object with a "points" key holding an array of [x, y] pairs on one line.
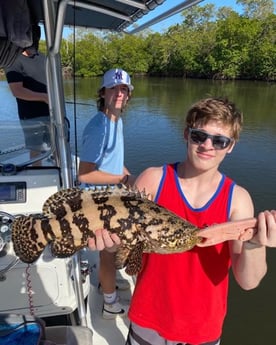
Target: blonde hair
{"points": [[215, 109]]}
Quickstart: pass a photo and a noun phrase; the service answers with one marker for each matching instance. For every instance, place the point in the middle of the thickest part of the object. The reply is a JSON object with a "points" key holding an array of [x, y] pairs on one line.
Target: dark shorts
{"points": [[37, 133], [144, 336]]}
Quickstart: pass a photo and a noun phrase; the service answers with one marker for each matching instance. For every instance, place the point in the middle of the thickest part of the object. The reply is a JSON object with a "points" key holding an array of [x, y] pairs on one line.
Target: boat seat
{"points": [[17, 327], [69, 335]]}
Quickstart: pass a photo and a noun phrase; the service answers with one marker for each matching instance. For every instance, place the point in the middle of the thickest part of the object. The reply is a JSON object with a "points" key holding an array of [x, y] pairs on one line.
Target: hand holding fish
{"points": [[242, 230], [266, 232], [260, 231], [104, 240], [71, 217]]}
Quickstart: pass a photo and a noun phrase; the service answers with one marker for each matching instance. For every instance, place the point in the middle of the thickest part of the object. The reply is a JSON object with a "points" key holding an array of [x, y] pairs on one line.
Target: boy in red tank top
{"points": [[182, 298]]}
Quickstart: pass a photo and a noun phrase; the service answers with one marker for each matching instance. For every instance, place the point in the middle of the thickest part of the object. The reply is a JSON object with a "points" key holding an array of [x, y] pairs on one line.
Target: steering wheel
{"points": [[6, 248], [11, 169]]}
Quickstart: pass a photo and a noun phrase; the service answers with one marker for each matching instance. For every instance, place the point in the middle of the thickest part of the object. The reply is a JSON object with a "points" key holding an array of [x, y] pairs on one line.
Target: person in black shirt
{"points": [[27, 82]]}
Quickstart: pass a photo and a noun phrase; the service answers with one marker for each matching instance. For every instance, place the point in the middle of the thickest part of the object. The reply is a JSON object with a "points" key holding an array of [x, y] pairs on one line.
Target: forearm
{"points": [[33, 96], [126, 171], [248, 259], [249, 267], [28, 95], [100, 177]]}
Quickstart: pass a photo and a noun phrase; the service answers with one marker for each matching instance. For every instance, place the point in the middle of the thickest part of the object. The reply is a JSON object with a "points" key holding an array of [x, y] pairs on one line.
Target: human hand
{"points": [[104, 240], [128, 180], [266, 231], [44, 97], [131, 180]]}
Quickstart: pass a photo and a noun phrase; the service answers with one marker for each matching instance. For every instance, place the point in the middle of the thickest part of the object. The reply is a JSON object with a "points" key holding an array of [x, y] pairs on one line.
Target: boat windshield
{"points": [[25, 143]]}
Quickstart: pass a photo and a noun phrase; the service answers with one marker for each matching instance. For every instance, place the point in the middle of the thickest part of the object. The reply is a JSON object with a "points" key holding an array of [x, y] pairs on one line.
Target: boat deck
{"points": [[106, 332]]}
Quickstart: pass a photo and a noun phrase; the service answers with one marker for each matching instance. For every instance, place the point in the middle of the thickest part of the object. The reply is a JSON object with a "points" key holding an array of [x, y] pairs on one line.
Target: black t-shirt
{"points": [[31, 72]]}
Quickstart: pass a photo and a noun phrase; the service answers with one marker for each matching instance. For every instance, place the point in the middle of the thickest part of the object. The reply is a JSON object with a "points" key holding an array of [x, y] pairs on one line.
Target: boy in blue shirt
{"points": [[102, 163]]}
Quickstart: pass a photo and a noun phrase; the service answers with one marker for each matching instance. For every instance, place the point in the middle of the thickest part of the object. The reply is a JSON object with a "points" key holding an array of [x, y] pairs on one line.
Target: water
{"points": [[154, 127], [154, 135]]}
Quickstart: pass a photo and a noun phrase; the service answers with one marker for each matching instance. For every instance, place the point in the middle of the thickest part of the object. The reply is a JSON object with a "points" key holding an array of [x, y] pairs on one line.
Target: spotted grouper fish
{"points": [[71, 216]]}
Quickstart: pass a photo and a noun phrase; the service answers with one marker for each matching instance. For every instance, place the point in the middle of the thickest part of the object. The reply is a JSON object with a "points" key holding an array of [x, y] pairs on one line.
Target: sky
{"points": [[162, 26], [168, 4], [177, 18]]}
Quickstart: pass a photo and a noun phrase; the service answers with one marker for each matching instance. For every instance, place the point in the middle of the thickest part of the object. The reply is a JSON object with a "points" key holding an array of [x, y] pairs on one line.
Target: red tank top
{"points": [[184, 296]]}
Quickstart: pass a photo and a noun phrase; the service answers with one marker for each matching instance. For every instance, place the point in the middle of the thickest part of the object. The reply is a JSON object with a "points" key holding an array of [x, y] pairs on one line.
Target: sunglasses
{"points": [[219, 142]]}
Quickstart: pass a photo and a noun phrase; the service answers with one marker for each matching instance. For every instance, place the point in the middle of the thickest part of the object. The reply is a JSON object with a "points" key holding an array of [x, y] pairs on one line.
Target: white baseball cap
{"points": [[115, 77]]}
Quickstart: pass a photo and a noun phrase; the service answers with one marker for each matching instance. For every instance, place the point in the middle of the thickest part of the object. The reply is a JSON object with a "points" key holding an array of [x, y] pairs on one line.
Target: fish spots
{"points": [[133, 205], [156, 221], [81, 221], [83, 225], [125, 223], [59, 211], [156, 209], [106, 214], [75, 202], [65, 226], [69, 217], [47, 229], [99, 199], [33, 235]]}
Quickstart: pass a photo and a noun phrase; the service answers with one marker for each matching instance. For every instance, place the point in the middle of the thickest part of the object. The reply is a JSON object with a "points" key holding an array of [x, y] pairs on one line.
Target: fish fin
{"points": [[134, 259], [121, 257], [63, 248], [54, 204], [27, 238]]}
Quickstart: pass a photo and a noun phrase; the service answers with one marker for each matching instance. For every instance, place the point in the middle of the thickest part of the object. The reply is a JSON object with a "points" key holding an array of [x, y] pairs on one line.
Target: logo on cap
{"points": [[118, 75]]}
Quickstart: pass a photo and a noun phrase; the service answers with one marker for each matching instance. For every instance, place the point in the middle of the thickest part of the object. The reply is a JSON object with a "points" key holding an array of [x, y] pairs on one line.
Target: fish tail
{"points": [[28, 238]]}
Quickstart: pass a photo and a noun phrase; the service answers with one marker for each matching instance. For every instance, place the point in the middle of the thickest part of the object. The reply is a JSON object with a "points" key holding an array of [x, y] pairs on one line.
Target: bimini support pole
{"points": [[54, 13]]}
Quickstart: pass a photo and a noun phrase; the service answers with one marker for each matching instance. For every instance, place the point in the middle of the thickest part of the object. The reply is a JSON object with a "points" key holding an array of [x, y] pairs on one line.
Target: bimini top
{"points": [[113, 15]]}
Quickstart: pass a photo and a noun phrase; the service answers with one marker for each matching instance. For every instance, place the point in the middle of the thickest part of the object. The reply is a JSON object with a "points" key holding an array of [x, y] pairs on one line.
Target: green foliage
{"points": [[257, 8], [126, 51], [209, 43]]}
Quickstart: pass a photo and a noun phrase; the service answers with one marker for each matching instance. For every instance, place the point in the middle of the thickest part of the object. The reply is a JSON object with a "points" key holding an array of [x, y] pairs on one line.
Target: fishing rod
{"points": [[87, 104]]}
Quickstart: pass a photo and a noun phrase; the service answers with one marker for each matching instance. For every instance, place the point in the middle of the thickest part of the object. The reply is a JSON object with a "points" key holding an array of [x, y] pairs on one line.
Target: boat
{"points": [[62, 292]]}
